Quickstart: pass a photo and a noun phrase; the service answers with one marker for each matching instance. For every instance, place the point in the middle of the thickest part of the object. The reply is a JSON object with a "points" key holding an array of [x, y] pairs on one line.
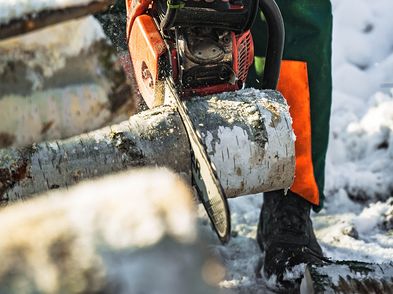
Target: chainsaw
{"points": [[180, 49]]}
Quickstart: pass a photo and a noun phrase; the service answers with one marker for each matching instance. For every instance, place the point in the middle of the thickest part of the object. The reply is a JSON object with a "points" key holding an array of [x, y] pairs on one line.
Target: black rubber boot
{"points": [[286, 235]]}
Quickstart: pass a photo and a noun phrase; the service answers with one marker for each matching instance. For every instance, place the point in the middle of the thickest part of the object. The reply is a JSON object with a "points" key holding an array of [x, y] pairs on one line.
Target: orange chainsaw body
{"points": [[146, 47], [154, 58]]}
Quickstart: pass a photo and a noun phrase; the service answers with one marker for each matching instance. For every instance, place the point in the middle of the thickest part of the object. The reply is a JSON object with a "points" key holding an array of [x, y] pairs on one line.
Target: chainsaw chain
{"points": [[204, 174]]}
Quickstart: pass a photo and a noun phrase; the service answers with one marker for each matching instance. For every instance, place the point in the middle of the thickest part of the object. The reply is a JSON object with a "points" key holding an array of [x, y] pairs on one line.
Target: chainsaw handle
{"points": [[170, 15], [275, 43]]}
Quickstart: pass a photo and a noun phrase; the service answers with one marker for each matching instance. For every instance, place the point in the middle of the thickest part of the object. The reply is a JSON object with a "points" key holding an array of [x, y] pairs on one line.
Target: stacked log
{"points": [[129, 233], [60, 81]]}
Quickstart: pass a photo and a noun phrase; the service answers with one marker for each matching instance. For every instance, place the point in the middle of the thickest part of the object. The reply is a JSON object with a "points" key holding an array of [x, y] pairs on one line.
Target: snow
{"points": [[360, 154], [14, 9]]}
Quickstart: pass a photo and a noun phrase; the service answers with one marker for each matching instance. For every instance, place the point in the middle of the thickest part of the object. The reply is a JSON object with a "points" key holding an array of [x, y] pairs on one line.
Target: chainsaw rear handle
{"points": [[275, 43]]}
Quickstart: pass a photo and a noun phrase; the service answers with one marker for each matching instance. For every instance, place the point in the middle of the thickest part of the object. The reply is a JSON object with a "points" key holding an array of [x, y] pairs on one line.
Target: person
{"points": [[285, 232]]}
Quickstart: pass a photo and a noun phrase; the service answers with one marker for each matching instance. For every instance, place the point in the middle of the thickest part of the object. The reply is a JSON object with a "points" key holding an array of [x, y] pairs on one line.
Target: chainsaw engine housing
{"points": [[207, 48]]}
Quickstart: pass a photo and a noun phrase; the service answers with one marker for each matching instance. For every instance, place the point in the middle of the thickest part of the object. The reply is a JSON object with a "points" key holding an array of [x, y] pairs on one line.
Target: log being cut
{"points": [[247, 134]]}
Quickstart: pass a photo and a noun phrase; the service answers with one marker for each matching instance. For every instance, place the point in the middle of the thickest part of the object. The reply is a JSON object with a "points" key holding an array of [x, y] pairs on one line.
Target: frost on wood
{"points": [[55, 84], [128, 233], [248, 136]]}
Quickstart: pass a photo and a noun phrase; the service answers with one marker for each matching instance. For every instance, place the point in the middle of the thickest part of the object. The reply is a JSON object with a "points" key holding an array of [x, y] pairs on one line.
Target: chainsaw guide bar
{"points": [[199, 48], [204, 174]]}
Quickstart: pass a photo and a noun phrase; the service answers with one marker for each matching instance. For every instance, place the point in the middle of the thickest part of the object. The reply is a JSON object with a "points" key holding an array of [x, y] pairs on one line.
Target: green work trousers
{"points": [[308, 38]]}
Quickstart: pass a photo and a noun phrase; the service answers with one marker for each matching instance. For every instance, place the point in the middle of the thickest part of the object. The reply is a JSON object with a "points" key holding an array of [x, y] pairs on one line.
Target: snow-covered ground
{"points": [[360, 155]]}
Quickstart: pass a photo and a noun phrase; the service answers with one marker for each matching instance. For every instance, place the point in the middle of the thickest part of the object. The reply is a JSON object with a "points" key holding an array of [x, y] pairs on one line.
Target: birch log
{"points": [[348, 276], [248, 137], [18, 18], [129, 233], [60, 81]]}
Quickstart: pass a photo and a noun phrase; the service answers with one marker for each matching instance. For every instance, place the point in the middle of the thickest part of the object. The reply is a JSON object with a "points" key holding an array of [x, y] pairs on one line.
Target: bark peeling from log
{"points": [[127, 146], [14, 168]]}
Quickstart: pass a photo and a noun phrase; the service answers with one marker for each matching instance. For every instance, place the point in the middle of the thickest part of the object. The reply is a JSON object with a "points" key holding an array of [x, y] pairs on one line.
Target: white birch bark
{"points": [[248, 137], [128, 233], [60, 81]]}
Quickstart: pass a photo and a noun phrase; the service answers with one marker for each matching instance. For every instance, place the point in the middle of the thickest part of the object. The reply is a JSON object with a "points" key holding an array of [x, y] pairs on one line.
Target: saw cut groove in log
{"points": [[35, 21], [248, 137]]}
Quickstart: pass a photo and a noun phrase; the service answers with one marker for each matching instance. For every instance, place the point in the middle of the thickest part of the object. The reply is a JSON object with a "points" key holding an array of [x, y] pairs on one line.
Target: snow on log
{"points": [[248, 137], [60, 81], [129, 233], [21, 16], [348, 276]]}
